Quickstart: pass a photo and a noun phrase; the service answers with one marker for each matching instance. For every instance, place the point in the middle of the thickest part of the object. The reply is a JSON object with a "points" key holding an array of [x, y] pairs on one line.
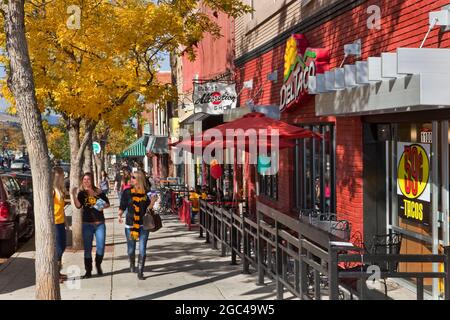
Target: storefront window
{"points": [[416, 170], [315, 170], [414, 178]]}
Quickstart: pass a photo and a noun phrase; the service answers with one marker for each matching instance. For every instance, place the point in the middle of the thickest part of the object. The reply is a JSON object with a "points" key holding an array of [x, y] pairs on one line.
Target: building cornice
{"points": [[322, 16]]}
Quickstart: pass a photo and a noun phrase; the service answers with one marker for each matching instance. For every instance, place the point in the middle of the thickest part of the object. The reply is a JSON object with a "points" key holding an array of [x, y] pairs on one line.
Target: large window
{"points": [[315, 170]]}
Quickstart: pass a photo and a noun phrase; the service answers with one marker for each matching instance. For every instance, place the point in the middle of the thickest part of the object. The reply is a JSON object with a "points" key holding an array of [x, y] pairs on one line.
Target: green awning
{"points": [[136, 149]]}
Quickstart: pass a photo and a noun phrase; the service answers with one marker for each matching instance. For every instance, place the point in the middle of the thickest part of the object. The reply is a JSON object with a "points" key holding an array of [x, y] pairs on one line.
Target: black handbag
{"points": [[151, 221]]}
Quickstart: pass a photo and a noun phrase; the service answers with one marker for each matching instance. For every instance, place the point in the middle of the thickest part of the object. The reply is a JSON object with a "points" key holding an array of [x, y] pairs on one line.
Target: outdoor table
{"points": [[340, 228]]}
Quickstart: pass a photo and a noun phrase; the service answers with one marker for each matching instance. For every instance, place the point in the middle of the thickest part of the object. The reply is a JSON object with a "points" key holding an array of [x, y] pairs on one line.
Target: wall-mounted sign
{"points": [[214, 97], [96, 148], [413, 187], [300, 63]]}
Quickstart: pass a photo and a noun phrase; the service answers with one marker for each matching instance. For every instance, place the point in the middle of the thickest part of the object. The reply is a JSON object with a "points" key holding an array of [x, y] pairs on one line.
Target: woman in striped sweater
{"points": [[136, 201]]}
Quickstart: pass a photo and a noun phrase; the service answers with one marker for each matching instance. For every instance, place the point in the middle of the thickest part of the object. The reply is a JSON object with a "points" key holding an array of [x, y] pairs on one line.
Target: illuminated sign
{"points": [[413, 187], [300, 63]]}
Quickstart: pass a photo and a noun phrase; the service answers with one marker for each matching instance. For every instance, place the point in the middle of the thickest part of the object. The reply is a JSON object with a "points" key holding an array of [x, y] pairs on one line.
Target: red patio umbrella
{"points": [[258, 122], [252, 123], [190, 145]]}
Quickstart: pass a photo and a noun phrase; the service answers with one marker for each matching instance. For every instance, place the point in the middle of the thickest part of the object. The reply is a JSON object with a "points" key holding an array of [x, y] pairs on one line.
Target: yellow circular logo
{"points": [[413, 171]]}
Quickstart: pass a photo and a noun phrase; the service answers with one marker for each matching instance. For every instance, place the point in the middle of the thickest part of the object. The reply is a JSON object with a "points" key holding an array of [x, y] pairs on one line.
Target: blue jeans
{"points": [[89, 230], [131, 244], [60, 239]]}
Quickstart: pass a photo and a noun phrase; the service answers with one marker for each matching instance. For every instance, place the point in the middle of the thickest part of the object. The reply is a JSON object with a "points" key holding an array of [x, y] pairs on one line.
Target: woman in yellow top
{"points": [[60, 218]]}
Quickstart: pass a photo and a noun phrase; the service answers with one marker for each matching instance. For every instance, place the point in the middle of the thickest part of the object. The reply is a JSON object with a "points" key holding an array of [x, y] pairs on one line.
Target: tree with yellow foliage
{"points": [[89, 65]]}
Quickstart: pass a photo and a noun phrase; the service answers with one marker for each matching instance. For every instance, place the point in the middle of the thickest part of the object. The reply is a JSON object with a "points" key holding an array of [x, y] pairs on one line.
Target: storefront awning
{"points": [[158, 144], [136, 149], [194, 117], [409, 80]]}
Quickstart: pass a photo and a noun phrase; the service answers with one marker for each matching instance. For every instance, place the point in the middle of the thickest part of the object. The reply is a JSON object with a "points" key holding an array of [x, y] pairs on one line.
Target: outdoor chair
{"points": [[386, 244], [351, 284], [380, 244]]}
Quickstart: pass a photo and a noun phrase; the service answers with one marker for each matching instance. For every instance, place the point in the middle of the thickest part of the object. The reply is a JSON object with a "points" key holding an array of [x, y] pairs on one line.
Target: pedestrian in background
{"points": [[126, 180], [89, 198], [61, 223], [134, 202], [118, 182], [104, 183]]}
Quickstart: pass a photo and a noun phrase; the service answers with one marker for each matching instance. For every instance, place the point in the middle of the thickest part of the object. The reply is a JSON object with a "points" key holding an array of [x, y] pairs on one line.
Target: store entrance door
{"points": [[375, 183]]}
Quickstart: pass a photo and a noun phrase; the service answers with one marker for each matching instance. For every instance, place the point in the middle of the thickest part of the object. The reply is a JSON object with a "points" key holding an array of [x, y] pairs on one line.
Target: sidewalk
{"points": [[179, 266]]}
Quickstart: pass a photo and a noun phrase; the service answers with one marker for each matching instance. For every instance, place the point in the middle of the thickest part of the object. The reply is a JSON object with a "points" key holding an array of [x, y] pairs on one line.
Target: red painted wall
{"points": [[214, 56], [403, 24]]}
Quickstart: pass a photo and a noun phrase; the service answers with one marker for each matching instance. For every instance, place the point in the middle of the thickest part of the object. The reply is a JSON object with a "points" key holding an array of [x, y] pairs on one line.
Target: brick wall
{"points": [[403, 24]]}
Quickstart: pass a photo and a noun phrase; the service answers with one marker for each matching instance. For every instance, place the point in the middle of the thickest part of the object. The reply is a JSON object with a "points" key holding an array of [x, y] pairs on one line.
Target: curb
{"points": [[14, 256]]}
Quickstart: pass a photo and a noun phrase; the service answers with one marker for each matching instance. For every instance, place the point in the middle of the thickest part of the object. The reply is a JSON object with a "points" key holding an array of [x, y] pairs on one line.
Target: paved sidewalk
{"points": [[179, 266]]}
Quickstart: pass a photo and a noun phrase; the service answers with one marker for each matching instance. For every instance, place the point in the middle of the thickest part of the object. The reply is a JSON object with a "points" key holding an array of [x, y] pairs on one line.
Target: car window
{"points": [[15, 184], [10, 185]]}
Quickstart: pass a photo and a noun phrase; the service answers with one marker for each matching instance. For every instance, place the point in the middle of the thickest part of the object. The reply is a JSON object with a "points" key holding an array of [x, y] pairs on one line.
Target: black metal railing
{"points": [[301, 256]]}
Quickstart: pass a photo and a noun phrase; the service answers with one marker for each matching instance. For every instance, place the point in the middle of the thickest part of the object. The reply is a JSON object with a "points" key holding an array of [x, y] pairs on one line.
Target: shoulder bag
{"points": [[151, 221]]}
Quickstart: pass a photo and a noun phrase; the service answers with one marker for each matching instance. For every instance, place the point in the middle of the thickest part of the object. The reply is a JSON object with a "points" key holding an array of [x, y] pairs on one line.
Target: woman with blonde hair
{"points": [[93, 201], [61, 224], [136, 201]]}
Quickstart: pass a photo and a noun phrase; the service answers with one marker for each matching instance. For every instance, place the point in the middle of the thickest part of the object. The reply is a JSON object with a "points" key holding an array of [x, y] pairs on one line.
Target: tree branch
{"points": [[89, 129]]}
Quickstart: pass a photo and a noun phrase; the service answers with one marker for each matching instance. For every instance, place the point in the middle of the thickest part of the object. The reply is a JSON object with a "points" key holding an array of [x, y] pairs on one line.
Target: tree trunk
{"points": [[95, 171], [21, 84], [76, 155], [87, 163], [99, 166], [75, 174]]}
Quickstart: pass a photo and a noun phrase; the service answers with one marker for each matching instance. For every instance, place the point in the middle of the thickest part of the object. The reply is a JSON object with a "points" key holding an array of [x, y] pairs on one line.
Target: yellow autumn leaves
{"points": [[99, 71], [290, 57]]}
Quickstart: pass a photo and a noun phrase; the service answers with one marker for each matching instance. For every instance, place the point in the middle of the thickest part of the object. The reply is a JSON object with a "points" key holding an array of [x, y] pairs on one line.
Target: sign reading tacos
{"points": [[413, 188], [300, 63]]}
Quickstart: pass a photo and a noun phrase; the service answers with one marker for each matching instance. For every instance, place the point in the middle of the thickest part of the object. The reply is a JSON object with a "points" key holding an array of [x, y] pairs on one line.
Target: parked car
{"points": [[26, 184], [16, 215], [20, 164]]}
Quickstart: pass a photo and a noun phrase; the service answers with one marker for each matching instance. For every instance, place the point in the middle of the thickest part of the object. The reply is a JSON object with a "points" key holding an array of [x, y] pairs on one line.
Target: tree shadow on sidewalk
{"points": [[187, 286], [18, 274]]}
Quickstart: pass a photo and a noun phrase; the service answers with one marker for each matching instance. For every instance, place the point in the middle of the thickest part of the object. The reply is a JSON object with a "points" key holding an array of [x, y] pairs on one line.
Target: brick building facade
{"points": [[403, 24]]}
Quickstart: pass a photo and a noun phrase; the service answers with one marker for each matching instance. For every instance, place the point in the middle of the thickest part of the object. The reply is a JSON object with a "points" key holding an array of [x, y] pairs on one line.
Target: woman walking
{"points": [[93, 201], [104, 183], [125, 182], [60, 218], [136, 201]]}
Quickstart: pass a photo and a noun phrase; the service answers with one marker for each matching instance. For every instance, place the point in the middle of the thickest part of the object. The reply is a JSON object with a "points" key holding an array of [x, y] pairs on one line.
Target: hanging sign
{"points": [[214, 97], [300, 63], [413, 185]]}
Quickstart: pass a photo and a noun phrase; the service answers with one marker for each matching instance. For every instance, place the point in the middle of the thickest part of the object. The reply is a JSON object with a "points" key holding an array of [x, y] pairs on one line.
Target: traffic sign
{"points": [[96, 147]]}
